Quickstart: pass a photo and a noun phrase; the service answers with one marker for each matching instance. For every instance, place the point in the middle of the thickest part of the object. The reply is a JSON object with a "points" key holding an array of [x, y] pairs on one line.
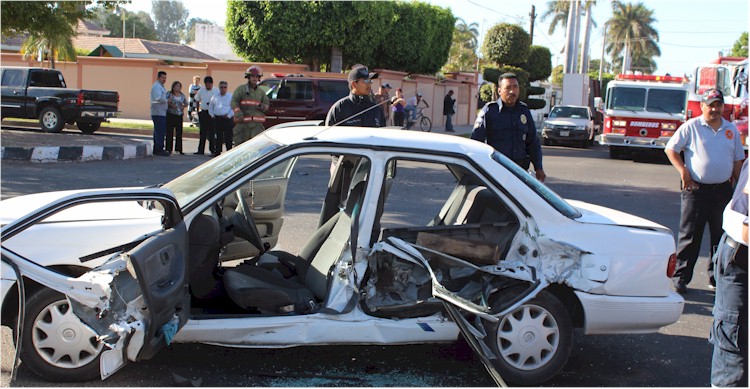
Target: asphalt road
{"points": [[678, 355]]}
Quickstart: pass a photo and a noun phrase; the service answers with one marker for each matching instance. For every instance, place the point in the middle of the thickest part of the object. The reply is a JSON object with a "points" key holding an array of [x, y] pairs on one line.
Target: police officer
{"points": [[507, 126], [359, 108], [249, 104]]}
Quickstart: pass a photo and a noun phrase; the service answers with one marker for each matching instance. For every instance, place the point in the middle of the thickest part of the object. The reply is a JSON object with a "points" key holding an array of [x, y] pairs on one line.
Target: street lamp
{"points": [[121, 11]]}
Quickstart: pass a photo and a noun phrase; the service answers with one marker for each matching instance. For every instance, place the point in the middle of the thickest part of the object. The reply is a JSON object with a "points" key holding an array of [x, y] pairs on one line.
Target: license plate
{"points": [[564, 133]]}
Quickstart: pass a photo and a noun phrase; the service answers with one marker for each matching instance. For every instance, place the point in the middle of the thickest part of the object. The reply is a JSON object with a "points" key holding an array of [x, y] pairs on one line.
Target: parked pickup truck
{"points": [[31, 93]]}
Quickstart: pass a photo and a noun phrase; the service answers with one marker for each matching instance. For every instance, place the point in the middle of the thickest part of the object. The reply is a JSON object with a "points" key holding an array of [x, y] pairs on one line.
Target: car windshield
{"points": [[569, 112], [193, 184], [667, 100], [547, 194]]}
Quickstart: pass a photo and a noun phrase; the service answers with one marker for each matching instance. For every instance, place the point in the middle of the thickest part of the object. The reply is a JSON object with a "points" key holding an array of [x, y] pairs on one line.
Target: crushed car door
{"points": [[139, 298], [466, 289]]}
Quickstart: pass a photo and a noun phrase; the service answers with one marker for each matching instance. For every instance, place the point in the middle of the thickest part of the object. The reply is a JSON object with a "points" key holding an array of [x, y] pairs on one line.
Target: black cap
{"points": [[712, 95], [361, 73]]}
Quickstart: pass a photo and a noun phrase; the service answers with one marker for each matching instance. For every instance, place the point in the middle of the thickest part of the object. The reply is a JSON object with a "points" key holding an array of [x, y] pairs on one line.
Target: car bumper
{"points": [[633, 141], [100, 114], [629, 315], [565, 135]]}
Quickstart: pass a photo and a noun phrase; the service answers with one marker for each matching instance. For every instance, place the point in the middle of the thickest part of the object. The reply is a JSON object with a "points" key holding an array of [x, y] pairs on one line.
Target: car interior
{"points": [[234, 272]]}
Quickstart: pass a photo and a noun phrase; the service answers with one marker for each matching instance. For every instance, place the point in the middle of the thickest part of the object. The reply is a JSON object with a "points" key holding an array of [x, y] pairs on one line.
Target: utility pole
{"points": [[532, 16]]}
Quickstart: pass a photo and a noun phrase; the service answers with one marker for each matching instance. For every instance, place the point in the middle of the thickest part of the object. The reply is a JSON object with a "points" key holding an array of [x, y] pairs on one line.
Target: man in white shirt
{"points": [[203, 97], [159, 112], [221, 111]]}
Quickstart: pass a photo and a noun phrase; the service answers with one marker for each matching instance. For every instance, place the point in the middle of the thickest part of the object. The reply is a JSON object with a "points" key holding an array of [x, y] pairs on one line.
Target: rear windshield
{"points": [[332, 91], [46, 79]]}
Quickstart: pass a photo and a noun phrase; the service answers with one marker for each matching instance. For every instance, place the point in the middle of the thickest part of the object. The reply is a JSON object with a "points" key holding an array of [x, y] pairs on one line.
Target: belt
{"points": [[257, 119], [712, 186], [733, 243]]}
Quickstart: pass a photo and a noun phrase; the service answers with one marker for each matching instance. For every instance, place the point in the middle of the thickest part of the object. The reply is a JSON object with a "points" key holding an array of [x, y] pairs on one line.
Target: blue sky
{"points": [[691, 32]]}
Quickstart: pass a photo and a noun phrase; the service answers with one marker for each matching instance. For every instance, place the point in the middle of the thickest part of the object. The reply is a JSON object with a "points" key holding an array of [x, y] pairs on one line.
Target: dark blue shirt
{"points": [[511, 131]]}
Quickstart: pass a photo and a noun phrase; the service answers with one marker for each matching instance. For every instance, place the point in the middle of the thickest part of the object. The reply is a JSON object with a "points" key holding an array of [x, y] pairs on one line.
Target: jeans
{"points": [[411, 112], [729, 330], [206, 132], [448, 123], [160, 130], [698, 207]]}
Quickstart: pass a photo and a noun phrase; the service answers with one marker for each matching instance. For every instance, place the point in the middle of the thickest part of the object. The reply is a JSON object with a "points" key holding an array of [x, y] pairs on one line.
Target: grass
{"points": [[138, 126]]}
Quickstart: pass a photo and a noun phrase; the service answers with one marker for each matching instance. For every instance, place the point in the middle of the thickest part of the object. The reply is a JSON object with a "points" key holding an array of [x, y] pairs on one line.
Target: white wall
{"points": [[212, 40]]}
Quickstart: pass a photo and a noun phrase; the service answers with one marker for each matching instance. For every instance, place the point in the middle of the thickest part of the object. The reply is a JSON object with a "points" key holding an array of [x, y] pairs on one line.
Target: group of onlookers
{"points": [[224, 119]]}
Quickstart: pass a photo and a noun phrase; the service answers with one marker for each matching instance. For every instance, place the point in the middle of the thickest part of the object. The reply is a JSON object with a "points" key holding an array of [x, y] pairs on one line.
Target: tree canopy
{"points": [[463, 52], [507, 44], [170, 17], [412, 37], [631, 28], [740, 46]]}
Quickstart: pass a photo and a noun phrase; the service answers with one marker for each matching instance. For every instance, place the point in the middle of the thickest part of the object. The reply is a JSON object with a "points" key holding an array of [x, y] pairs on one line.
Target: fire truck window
{"points": [[633, 99], [666, 100]]}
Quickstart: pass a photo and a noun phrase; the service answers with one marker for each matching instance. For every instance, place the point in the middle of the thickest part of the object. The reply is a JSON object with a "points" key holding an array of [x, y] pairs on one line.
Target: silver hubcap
{"points": [[61, 339], [49, 119], [528, 337]]}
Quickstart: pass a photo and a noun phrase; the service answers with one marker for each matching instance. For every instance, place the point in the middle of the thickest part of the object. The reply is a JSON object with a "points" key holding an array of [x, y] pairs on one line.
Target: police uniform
{"points": [[354, 110], [248, 117], [511, 131]]}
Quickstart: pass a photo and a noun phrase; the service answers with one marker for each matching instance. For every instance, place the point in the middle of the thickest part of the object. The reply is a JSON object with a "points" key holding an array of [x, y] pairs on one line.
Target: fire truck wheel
{"points": [[616, 152]]}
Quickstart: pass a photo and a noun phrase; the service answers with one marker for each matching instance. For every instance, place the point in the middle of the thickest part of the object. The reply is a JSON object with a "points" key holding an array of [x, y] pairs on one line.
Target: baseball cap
{"points": [[360, 73], [419, 95], [712, 95], [387, 85]]}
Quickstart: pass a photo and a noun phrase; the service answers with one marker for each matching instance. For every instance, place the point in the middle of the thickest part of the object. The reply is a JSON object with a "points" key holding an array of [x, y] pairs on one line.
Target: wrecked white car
{"points": [[321, 236]]}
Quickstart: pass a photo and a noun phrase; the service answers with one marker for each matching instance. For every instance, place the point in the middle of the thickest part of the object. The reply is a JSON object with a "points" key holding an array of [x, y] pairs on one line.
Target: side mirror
{"points": [[546, 115], [598, 102]]}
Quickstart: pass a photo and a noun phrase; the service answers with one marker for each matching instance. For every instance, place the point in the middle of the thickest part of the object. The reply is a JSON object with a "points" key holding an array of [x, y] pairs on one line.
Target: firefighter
{"points": [[249, 104]]}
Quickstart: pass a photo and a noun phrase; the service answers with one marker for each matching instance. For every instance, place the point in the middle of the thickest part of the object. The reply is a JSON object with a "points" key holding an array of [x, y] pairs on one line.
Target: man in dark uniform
{"points": [[507, 126], [357, 109]]}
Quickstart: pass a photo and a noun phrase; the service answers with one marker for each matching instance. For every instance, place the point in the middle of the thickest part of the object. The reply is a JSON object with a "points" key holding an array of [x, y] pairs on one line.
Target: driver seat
{"points": [[253, 287]]}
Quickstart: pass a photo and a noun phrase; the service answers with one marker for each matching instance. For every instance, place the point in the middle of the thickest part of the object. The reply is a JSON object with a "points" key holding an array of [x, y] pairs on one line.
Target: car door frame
{"points": [[166, 298]]}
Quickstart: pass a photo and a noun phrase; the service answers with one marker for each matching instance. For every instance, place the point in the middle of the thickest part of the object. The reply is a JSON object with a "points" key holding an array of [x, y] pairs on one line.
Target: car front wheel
{"points": [[533, 342], [56, 344]]}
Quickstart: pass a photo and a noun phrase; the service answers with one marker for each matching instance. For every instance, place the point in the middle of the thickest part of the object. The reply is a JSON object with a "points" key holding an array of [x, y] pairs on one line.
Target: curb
{"points": [[75, 153]]}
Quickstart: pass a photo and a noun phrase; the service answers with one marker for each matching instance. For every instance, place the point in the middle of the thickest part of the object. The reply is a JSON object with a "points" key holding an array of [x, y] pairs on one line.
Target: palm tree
{"points": [[558, 10], [56, 43], [631, 33], [468, 33]]}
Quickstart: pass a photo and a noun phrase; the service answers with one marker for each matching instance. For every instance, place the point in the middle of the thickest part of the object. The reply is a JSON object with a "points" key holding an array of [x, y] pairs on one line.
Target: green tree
{"points": [[139, 23], [368, 32], [190, 36], [539, 64], [558, 10], [740, 46], [50, 26], [463, 52], [557, 75], [507, 44], [631, 31], [169, 19]]}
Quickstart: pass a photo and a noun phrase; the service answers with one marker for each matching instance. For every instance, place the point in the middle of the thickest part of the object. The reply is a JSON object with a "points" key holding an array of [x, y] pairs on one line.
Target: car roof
{"points": [[368, 137]]}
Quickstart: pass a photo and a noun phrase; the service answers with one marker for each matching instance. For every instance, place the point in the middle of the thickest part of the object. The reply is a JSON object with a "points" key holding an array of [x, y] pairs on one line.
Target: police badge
{"points": [[523, 119]]}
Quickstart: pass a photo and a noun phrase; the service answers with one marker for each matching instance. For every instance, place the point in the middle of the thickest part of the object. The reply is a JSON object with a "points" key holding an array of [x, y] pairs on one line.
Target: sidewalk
{"points": [[107, 144]]}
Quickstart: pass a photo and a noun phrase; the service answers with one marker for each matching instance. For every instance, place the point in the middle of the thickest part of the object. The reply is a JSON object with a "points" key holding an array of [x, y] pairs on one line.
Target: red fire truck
{"points": [[729, 75], [642, 112]]}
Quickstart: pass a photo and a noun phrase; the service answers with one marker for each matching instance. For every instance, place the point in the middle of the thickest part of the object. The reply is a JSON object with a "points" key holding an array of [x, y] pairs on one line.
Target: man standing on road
{"points": [[713, 157], [249, 104], [507, 126], [357, 109], [159, 112], [729, 329], [448, 110], [220, 110], [206, 130]]}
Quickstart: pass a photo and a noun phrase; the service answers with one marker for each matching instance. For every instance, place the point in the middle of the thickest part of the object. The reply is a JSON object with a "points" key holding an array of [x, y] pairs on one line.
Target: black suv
{"points": [[297, 97]]}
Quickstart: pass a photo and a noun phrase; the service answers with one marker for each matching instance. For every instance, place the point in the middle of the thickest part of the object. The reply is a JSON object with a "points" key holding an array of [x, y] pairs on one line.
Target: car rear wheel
{"points": [[56, 344], [533, 342], [51, 120], [88, 127]]}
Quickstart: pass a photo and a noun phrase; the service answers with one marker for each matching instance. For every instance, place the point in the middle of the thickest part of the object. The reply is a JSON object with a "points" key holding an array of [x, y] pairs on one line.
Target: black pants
{"points": [[697, 208], [206, 132], [398, 118], [224, 127], [174, 130]]}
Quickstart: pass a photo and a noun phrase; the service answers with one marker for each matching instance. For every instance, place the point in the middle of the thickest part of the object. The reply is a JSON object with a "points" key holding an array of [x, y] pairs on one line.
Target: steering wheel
{"points": [[246, 228]]}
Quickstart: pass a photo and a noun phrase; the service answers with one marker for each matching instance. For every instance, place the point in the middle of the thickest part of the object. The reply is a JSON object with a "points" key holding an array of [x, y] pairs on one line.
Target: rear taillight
{"points": [[79, 100], [671, 265]]}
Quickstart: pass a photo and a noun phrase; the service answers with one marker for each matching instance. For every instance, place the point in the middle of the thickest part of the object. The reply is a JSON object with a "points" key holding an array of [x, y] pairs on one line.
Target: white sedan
{"points": [[320, 236]]}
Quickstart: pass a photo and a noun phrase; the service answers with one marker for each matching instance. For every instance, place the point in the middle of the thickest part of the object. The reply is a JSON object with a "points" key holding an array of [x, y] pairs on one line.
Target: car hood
{"points": [[568, 122], [595, 214], [16, 207]]}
